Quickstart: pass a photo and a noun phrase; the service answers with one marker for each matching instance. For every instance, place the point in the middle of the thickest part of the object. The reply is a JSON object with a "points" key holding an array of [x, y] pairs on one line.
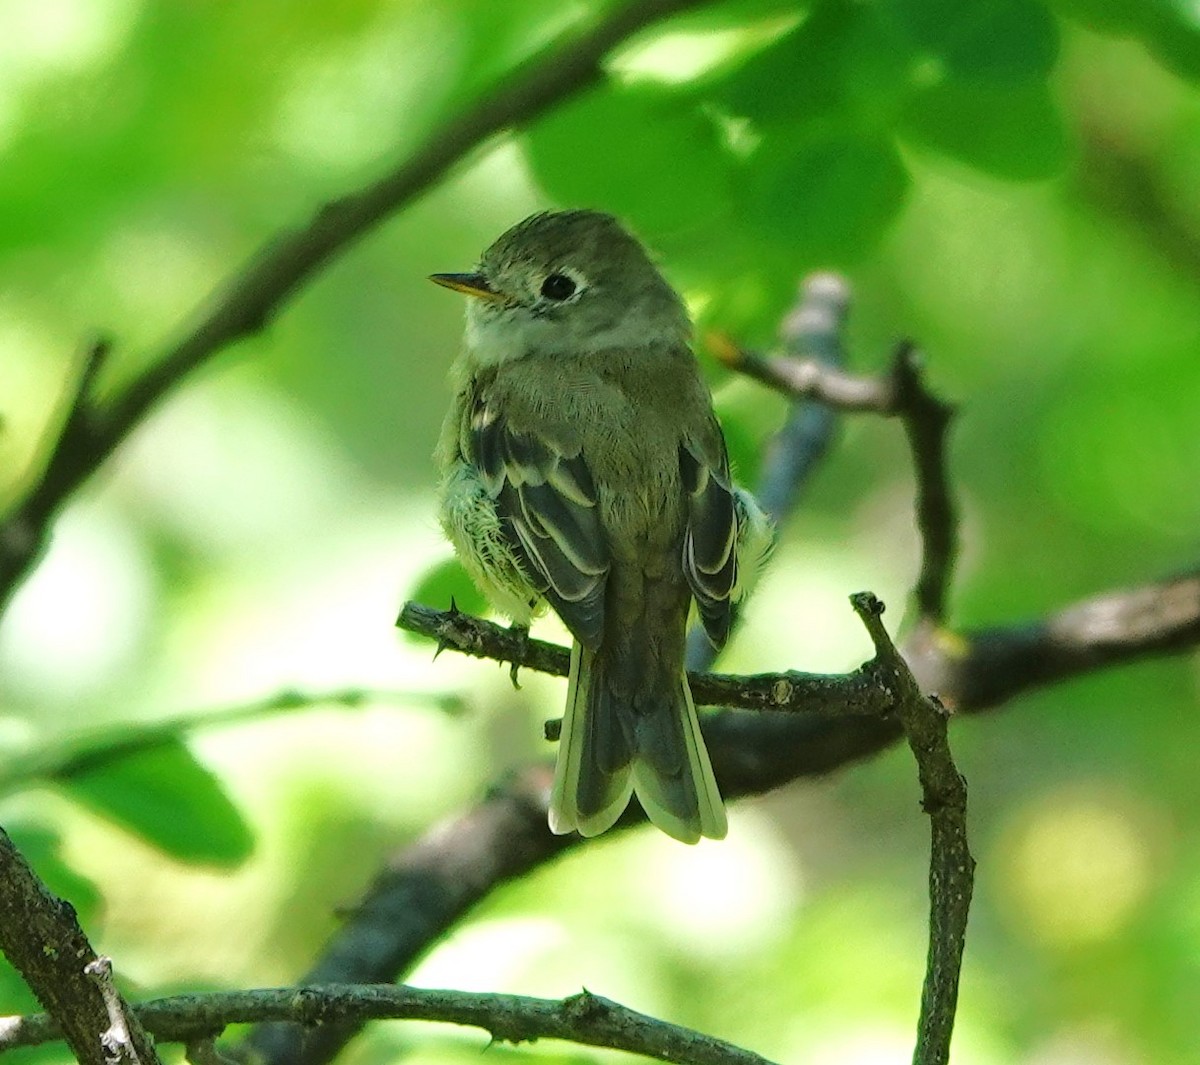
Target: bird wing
{"points": [[710, 540], [547, 505]]}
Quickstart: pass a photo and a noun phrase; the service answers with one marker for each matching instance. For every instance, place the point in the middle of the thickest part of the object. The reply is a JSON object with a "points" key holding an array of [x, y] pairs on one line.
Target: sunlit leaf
{"points": [[166, 796]]}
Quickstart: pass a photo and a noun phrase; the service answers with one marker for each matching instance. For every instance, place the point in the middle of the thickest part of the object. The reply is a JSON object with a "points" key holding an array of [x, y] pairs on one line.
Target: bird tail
{"points": [[630, 727]]}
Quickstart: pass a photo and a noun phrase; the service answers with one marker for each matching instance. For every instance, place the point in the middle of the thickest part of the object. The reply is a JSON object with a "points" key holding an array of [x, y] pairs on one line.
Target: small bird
{"points": [[583, 467]]}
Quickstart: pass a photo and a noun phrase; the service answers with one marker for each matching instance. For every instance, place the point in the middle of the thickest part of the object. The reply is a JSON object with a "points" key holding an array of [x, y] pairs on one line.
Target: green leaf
{"points": [[166, 796], [844, 60], [831, 198], [447, 582], [1170, 29], [1011, 132], [644, 152], [1177, 42], [986, 40]]}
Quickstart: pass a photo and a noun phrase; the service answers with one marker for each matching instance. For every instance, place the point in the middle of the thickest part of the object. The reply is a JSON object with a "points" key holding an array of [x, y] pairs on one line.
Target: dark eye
{"points": [[558, 287]]}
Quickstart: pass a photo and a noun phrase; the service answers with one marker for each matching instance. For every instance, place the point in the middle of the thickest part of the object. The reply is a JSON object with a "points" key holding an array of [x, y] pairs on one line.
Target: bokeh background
{"points": [[1011, 182]]}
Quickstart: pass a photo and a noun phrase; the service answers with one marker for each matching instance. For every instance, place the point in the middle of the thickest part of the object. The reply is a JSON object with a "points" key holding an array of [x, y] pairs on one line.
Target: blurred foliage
{"points": [[1011, 182]]}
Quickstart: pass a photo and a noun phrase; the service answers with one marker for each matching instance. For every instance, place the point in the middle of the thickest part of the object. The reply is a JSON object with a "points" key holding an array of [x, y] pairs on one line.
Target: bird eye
{"points": [[558, 287]]}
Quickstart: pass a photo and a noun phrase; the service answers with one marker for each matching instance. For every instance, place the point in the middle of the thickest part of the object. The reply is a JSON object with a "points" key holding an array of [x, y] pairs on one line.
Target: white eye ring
{"points": [[563, 285]]}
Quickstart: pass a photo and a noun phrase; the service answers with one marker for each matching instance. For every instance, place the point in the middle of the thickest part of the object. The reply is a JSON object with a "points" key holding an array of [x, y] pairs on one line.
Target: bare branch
{"points": [[926, 421], [117, 1038], [251, 298], [860, 693], [584, 1018], [985, 668], [971, 672], [41, 937], [951, 867]]}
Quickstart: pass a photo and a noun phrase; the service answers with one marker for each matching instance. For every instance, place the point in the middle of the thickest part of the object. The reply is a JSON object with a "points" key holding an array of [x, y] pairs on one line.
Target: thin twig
{"points": [[247, 301], [951, 867], [926, 420], [584, 1018], [117, 1039]]}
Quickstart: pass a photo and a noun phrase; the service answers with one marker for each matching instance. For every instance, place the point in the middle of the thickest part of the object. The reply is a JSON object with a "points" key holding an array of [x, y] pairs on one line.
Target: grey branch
{"points": [[248, 301], [584, 1018], [41, 937], [900, 393], [951, 867]]}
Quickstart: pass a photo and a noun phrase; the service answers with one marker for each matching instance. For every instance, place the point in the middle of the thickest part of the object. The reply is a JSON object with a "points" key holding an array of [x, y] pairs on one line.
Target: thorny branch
{"points": [[585, 1018]]}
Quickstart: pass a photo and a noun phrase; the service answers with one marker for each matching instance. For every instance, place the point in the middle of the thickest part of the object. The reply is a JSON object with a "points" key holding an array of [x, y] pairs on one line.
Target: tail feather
{"points": [[610, 749], [592, 779]]}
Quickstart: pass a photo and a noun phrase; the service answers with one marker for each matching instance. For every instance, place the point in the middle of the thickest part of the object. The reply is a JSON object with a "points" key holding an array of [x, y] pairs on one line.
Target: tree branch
{"points": [[41, 937], [973, 671], [584, 1018], [900, 393], [860, 693], [432, 883], [951, 867], [253, 296]]}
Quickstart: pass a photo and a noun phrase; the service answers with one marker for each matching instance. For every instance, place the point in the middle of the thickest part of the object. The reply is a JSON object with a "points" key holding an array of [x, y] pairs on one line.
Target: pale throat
{"points": [[512, 334]]}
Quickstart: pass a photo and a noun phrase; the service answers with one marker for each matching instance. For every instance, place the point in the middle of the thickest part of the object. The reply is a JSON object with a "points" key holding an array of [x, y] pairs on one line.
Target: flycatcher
{"points": [[583, 467]]}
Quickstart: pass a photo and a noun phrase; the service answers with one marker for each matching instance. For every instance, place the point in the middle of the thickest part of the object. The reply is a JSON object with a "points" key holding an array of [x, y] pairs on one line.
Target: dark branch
{"points": [[252, 297], [41, 937], [427, 888], [584, 1018], [860, 693], [986, 667], [973, 671], [951, 867], [926, 420]]}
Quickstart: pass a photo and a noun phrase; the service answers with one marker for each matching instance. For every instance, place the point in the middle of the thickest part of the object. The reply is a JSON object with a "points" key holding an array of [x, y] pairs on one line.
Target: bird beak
{"points": [[470, 284]]}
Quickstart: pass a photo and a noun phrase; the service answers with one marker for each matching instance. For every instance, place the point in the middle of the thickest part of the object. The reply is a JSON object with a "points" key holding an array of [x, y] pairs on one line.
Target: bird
{"points": [[582, 468]]}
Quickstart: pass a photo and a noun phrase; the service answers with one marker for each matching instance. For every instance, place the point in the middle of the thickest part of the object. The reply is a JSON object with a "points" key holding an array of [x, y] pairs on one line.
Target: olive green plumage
{"points": [[583, 467]]}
